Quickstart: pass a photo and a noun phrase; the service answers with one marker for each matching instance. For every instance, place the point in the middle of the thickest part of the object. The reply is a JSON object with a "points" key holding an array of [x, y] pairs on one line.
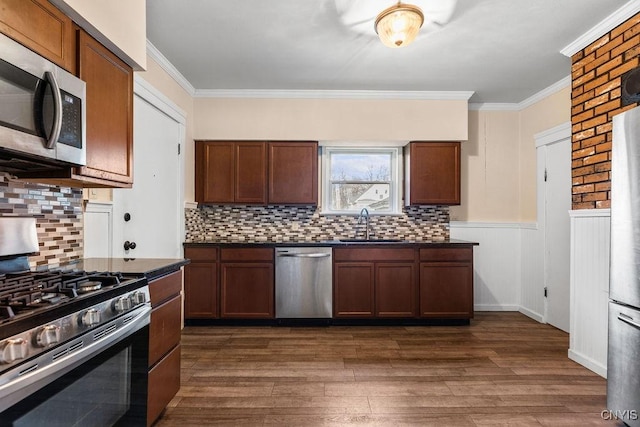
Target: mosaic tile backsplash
{"points": [[58, 213], [277, 223]]}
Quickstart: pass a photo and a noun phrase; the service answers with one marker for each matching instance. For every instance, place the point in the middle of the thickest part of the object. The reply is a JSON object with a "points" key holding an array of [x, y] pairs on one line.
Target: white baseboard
{"points": [[588, 363], [496, 307], [532, 314]]}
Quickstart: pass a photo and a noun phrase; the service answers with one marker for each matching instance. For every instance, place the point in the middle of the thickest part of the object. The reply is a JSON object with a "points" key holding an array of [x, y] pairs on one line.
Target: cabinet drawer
{"points": [[373, 254], [246, 254], [165, 287], [201, 254], [164, 383], [164, 329], [446, 254]]}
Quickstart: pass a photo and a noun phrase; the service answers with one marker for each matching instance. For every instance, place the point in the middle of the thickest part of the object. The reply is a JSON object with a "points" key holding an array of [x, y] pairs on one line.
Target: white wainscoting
{"points": [[590, 242], [497, 263]]}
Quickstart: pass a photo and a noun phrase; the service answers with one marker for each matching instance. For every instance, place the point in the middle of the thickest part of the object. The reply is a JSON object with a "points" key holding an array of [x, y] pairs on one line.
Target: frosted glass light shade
{"points": [[398, 25]]}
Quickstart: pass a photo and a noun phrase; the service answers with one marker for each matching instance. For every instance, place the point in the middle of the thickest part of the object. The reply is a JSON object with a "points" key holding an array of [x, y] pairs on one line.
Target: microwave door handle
{"points": [[57, 110]]}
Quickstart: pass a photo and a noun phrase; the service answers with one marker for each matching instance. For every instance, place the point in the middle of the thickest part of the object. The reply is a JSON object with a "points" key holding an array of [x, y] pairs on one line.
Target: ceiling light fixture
{"points": [[398, 25]]}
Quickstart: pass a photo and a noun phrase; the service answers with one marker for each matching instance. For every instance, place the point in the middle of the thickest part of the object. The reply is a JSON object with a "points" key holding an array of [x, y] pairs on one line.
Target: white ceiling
{"points": [[503, 50]]}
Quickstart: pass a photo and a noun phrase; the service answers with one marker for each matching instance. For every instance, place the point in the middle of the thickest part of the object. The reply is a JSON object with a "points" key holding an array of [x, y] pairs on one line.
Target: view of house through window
{"points": [[360, 178]]}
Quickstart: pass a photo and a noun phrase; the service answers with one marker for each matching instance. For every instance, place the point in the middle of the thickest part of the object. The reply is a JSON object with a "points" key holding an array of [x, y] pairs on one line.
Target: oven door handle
{"points": [[28, 378]]}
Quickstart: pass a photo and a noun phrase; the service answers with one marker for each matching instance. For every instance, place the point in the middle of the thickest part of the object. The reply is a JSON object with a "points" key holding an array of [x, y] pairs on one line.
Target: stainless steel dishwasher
{"points": [[303, 283]]}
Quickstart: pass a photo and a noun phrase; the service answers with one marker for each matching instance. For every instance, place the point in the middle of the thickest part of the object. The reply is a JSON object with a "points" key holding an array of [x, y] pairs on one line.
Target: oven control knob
{"points": [[13, 349], [121, 304], [138, 298], [90, 317], [48, 335]]}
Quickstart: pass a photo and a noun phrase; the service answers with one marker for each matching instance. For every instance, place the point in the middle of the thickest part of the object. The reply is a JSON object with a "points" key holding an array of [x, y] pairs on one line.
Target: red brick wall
{"points": [[595, 98]]}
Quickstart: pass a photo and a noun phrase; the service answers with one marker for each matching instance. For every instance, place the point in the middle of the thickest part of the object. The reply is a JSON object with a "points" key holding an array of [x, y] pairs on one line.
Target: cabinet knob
{"points": [[129, 245]]}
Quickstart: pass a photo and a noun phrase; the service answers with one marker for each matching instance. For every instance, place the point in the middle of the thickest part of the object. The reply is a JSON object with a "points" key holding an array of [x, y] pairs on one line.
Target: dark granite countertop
{"points": [[149, 267], [333, 243]]}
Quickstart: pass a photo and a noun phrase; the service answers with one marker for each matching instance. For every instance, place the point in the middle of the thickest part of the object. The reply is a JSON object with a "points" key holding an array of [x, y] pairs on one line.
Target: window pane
{"points": [[374, 197], [360, 167]]}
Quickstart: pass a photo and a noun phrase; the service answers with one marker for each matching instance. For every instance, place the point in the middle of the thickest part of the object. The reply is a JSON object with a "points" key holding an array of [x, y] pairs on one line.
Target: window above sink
{"points": [[354, 178]]}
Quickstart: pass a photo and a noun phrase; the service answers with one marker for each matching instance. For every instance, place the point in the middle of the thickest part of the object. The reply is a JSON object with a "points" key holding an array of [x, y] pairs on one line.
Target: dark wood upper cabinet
{"points": [[293, 172], [41, 27], [109, 114], [215, 172], [231, 172], [432, 173], [251, 172], [254, 172]]}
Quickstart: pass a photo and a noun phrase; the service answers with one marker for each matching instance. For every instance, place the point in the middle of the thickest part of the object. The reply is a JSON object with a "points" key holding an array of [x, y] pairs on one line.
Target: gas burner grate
{"points": [[20, 292]]}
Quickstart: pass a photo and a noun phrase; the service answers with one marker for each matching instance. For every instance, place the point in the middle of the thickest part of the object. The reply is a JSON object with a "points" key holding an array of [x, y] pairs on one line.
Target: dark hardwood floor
{"points": [[503, 369]]}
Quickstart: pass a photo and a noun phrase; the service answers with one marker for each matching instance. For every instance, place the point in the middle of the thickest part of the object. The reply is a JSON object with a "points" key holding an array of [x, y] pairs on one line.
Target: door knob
{"points": [[129, 245]]}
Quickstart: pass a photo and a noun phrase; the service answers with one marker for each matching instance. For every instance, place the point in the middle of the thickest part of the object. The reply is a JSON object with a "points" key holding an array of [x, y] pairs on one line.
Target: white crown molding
{"points": [[334, 94], [537, 97], [493, 106], [606, 25], [145, 90], [555, 134], [168, 67]]}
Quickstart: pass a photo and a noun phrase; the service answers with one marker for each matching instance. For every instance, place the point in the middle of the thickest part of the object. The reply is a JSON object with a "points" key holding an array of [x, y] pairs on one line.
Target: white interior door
{"points": [[557, 203], [153, 205]]}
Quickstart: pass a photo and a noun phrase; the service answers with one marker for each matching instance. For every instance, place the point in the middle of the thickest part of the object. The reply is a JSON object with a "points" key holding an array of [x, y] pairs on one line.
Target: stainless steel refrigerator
{"points": [[623, 358]]}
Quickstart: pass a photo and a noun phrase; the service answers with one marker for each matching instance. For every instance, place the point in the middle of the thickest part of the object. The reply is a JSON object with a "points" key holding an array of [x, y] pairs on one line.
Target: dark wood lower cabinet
{"points": [[353, 291], [395, 290], [164, 383], [201, 283], [446, 290], [369, 282], [164, 343], [246, 290]]}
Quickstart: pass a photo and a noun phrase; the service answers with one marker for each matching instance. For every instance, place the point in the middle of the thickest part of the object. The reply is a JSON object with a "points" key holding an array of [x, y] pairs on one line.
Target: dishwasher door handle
{"points": [[318, 255]]}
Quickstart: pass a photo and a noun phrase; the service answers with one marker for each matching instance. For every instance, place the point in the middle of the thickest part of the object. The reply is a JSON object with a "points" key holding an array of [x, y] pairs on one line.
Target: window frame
{"points": [[395, 187]]}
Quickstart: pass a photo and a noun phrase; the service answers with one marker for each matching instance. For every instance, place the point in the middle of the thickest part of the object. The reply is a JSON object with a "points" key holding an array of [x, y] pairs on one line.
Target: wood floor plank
{"points": [[504, 369]]}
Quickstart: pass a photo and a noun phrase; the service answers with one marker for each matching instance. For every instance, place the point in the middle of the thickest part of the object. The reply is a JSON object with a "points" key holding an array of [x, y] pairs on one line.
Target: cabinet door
{"points": [[434, 173], [200, 290], [251, 172], [215, 172], [293, 172], [446, 290], [109, 114], [41, 27], [164, 383], [164, 329], [353, 289], [246, 290], [395, 290]]}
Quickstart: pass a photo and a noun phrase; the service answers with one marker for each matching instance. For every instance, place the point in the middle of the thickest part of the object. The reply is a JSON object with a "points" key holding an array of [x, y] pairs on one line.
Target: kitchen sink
{"points": [[371, 240]]}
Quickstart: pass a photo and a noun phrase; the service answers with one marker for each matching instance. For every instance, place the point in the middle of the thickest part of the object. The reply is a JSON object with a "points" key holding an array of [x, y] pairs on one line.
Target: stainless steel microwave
{"points": [[42, 112]]}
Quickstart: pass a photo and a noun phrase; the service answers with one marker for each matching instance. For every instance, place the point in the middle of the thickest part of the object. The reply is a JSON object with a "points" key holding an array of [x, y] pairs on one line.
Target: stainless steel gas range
{"points": [[73, 348]]}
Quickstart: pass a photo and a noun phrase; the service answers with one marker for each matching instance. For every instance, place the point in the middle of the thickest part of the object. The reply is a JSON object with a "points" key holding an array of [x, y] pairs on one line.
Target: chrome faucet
{"points": [[364, 214]]}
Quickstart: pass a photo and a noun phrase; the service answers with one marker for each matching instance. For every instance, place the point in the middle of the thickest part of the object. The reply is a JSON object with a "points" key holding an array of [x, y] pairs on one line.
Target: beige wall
{"points": [[499, 161], [498, 150], [489, 170], [118, 24], [546, 114], [330, 119]]}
